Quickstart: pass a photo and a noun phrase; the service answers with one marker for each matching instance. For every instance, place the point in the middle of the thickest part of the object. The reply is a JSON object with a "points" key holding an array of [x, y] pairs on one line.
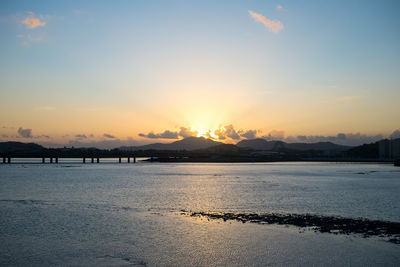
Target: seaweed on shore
{"points": [[323, 224]]}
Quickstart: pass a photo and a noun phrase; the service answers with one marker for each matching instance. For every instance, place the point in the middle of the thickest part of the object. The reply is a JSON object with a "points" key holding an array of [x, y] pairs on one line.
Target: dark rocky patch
{"points": [[126, 259], [318, 223]]}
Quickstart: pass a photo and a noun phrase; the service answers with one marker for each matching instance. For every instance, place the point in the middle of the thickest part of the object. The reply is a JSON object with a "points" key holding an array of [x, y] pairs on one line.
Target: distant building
{"points": [[385, 149], [396, 148], [389, 149]]}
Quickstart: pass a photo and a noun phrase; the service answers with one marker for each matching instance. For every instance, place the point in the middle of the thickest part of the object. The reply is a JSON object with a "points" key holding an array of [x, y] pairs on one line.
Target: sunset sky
{"points": [[136, 72]]}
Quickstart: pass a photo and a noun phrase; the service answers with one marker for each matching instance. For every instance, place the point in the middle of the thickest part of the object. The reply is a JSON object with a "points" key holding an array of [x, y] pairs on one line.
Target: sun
{"points": [[201, 132], [204, 132]]}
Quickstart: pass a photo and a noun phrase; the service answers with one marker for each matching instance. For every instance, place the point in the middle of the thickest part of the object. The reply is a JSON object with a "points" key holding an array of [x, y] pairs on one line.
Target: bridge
{"points": [[56, 160]]}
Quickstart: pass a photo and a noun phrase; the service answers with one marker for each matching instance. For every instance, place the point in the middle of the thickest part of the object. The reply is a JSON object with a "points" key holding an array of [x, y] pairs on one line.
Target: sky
{"points": [[111, 73]]}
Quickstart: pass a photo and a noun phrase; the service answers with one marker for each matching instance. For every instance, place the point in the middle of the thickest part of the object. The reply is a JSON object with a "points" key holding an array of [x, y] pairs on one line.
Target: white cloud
{"points": [[275, 135], [29, 38], [187, 132], [395, 134], [274, 26], [228, 131], [25, 133], [164, 135], [167, 134], [108, 136], [220, 133], [32, 22], [231, 132], [249, 134]]}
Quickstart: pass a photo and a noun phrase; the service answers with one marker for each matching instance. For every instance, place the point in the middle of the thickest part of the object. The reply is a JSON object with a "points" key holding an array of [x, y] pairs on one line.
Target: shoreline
{"points": [[188, 160]]}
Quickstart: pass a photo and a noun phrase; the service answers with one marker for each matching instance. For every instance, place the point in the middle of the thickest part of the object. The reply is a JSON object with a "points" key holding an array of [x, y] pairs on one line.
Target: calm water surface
{"points": [[128, 214]]}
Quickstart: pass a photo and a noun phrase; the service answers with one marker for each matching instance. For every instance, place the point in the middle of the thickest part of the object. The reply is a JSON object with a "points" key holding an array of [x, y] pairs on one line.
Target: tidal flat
{"points": [[116, 215]]}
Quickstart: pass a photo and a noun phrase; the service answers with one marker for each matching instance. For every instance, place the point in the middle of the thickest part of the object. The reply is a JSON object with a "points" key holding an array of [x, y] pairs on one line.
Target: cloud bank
{"points": [[227, 133], [274, 26], [395, 134], [230, 134], [187, 132], [80, 136], [349, 139], [164, 135], [249, 134]]}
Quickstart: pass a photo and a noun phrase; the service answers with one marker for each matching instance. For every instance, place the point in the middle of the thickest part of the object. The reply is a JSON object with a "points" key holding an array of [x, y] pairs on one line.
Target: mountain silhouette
{"points": [[196, 143], [12, 147], [262, 144], [189, 143]]}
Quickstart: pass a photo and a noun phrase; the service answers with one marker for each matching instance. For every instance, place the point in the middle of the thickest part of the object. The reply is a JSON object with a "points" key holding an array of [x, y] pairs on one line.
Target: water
{"points": [[128, 214]]}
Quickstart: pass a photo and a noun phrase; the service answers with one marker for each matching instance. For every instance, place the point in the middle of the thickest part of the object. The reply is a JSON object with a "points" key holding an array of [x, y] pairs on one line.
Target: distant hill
{"points": [[222, 148], [201, 146], [15, 147], [323, 146], [262, 144], [364, 151], [189, 143], [259, 144]]}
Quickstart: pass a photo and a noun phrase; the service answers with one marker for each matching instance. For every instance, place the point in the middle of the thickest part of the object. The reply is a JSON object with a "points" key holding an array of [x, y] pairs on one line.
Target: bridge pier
{"points": [[130, 159]]}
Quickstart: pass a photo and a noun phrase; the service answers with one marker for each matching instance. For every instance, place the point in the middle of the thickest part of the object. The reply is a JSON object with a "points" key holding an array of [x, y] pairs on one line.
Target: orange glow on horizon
{"points": [[204, 132]]}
